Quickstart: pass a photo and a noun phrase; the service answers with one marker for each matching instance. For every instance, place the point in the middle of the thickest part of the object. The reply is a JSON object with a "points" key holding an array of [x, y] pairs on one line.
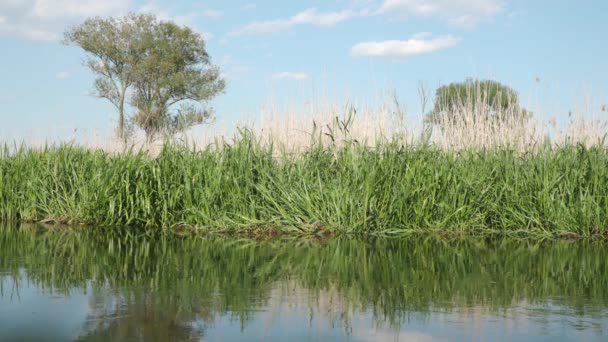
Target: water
{"points": [[108, 285]]}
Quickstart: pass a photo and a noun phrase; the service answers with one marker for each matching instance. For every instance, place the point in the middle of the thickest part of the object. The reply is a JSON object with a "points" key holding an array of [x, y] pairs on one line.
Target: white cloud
{"points": [[77, 8], [166, 15], [44, 20], [211, 13], [466, 13], [35, 34], [419, 44], [309, 16], [385, 334], [207, 36], [189, 19], [62, 75], [232, 69], [295, 76], [7, 98], [27, 32], [248, 6]]}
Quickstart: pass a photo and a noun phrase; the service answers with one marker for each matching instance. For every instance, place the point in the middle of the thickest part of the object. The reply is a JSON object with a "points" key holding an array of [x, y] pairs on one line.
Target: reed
{"points": [[336, 186]]}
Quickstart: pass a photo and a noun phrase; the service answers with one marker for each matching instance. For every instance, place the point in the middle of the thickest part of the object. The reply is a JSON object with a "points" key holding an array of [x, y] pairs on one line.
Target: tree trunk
{"points": [[121, 117], [121, 123]]}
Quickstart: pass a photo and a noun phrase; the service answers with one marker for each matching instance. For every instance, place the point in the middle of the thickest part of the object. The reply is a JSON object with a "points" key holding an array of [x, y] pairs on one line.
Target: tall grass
{"points": [[385, 119], [341, 186], [365, 171]]}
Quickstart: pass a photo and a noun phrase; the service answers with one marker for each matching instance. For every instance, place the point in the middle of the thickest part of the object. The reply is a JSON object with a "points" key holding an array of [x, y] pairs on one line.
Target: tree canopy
{"points": [[153, 66], [489, 98]]}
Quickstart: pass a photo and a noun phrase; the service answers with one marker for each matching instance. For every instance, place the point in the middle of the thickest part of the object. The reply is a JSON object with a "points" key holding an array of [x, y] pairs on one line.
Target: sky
{"points": [[285, 53]]}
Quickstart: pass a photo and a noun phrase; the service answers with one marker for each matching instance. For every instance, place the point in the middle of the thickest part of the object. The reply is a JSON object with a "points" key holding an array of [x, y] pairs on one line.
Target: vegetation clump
{"points": [[485, 99], [391, 189]]}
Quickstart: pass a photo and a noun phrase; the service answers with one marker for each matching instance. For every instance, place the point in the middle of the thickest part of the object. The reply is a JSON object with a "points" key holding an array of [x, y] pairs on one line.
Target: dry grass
{"points": [[294, 128]]}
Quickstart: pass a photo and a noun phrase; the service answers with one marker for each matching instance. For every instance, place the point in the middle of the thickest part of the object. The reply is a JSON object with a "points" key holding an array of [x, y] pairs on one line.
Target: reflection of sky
{"points": [[288, 318], [30, 313]]}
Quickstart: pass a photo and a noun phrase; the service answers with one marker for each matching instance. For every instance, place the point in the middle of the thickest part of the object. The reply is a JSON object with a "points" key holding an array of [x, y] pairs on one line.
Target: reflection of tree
{"points": [[168, 287], [138, 316]]}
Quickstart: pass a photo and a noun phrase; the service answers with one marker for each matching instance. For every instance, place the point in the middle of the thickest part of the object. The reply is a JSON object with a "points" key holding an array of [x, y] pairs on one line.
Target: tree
{"points": [[116, 47], [157, 64], [482, 99], [176, 70]]}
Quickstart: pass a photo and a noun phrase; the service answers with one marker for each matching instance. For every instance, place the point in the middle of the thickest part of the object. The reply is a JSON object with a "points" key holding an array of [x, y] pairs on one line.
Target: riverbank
{"points": [[249, 186]]}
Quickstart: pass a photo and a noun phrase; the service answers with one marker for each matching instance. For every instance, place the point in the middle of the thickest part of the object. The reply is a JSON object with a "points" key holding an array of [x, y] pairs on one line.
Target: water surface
{"points": [[102, 285]]}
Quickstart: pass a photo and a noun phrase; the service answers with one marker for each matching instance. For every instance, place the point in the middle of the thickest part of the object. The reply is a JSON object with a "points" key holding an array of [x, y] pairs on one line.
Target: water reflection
{"points": [[100, 285]]}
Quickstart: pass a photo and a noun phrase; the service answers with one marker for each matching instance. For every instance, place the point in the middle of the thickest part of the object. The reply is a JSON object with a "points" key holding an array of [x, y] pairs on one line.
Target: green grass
{"points": [[389, 190]]}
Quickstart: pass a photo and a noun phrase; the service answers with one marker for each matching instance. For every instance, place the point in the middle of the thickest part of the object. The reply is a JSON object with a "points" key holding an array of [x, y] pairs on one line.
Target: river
{"points": [[100, 284]]}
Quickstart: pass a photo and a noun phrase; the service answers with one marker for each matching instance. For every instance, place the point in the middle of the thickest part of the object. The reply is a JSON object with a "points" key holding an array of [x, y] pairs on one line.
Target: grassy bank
{"points": [[390, 189]]}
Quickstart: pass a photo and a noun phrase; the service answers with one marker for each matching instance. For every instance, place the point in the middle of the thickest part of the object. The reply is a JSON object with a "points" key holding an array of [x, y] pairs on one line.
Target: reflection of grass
{"points": [[392, 189], [203, 277]]}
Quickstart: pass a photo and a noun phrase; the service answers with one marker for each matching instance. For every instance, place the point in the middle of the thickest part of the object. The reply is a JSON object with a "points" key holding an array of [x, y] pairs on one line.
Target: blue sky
{"points": [[284, 52]]}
